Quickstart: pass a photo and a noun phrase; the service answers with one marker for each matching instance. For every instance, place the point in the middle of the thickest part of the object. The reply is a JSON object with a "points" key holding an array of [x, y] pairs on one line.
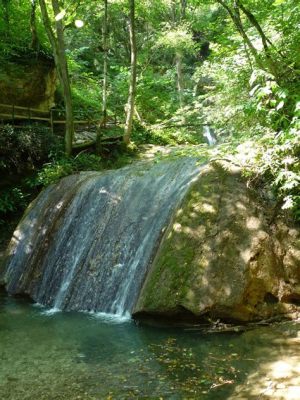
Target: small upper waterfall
{"points": [[86, 242], [209, 135]]}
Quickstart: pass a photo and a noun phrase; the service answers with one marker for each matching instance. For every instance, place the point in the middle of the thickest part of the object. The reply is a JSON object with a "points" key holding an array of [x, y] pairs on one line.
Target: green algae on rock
{"points": [[222, 257]]}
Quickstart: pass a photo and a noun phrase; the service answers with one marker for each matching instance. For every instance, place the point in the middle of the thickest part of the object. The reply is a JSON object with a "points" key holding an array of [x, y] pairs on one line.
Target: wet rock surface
{"points": [[85, 244], [224, 256]]}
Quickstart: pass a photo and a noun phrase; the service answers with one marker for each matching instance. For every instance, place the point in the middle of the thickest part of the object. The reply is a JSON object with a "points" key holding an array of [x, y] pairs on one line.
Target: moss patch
{"points": [[217, 256]]}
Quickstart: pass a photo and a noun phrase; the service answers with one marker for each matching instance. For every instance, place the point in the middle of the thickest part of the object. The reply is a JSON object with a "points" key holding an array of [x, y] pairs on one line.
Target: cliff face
{"points": [[223, 256], [28, 83]]}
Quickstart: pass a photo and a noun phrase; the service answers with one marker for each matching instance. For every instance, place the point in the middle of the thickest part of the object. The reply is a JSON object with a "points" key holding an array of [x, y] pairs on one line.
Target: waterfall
{"points": [[86, 242], [209, 135]]}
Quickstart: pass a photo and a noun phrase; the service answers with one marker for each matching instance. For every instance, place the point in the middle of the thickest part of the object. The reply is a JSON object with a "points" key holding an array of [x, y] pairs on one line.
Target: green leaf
{"points": [[280, 105], [278, 2]]}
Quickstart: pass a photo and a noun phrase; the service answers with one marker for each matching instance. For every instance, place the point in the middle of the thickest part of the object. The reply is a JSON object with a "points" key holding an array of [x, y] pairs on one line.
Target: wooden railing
{"points": [[12, 113]]}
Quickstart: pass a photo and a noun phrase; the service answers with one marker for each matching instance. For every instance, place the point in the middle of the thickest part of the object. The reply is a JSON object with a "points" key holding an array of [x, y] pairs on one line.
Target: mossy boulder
{"points": [[223, 256]]}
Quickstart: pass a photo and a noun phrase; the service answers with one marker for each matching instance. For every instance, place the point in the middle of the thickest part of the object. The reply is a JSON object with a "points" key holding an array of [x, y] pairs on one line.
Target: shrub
{"points": [[26, 148], [57, 169]]}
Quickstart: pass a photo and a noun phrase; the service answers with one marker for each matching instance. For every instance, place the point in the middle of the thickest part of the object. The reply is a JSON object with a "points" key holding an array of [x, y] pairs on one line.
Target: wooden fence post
{"points": [[51, 122], [13, 114]]}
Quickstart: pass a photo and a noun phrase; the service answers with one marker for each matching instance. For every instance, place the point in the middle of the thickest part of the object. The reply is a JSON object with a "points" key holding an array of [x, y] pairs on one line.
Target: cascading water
{"points": [[209, 135], [86, 242]]}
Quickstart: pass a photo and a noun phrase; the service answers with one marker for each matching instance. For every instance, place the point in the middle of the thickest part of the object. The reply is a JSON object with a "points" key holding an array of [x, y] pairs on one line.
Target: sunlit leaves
{"points": [[60, 15], [79, 23], [177, 40], [278, 2]]}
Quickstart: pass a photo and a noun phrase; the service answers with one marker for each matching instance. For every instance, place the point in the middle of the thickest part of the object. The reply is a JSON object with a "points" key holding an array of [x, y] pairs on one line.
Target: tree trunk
{"points": [[105, 64], [236, 19], [178, 60], [183, 6], [234, 12], [132, 86], [58, 46], [265, 41], [6, 17], [34, 36], [255, 23]]}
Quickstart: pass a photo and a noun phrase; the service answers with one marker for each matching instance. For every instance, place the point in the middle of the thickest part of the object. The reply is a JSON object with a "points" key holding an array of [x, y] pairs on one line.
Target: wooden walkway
{"points": [[85, 130]]}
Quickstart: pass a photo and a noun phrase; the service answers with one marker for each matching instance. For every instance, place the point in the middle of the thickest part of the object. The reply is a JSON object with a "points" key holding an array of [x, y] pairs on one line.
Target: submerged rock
{"points": [[223, 256]]}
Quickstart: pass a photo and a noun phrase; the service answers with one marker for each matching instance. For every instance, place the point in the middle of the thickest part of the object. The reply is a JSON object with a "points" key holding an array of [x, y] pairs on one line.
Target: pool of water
{"points": [[82, 356]]}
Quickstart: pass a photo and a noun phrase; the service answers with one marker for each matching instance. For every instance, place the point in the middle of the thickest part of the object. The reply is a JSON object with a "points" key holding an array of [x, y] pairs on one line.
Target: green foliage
{"points": [[15, 30], [167, 136], [271, 100], [11, 200], [156, 97], [279, 161], [177, 40], [52, 172], [243, 97], [85, 91], [25, 148]]}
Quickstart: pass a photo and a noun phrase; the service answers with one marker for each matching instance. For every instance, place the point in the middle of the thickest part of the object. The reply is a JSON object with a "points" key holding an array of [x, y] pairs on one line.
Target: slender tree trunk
{"points": [[179, 58], [65, 80], [102, 125], [6, 17], [180, 86], [183, 6], [34, 36], [256, 24], [236, 19], [105, 63], [248, 57], [132, 86], [265, 41], [58, 46], [234, 13]]}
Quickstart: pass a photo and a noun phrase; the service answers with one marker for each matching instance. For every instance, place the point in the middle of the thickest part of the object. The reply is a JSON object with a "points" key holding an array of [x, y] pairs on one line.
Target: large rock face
{"points": [[223, 256], [31, 83]]}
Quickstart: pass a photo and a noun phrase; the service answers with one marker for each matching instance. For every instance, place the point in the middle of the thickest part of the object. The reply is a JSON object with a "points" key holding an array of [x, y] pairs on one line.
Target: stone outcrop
{"points": [[31, 83], [223, 256]]}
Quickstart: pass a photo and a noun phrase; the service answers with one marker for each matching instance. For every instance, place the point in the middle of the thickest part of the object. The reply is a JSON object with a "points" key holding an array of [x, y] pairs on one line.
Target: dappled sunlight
{"points": [[177, 227], [218, 255], [247, 153], [246, 254], [114, 197], [277, 376], [59, 205], [17, 236], [208, 208], [253, 223]]}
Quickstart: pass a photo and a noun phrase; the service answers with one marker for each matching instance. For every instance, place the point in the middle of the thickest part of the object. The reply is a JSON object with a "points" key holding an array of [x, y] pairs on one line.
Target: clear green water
{"points": [[78, 356]]}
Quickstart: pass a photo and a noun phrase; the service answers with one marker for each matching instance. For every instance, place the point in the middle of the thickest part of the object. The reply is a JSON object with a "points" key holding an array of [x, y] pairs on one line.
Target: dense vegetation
{"points": [[168, 67]]}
